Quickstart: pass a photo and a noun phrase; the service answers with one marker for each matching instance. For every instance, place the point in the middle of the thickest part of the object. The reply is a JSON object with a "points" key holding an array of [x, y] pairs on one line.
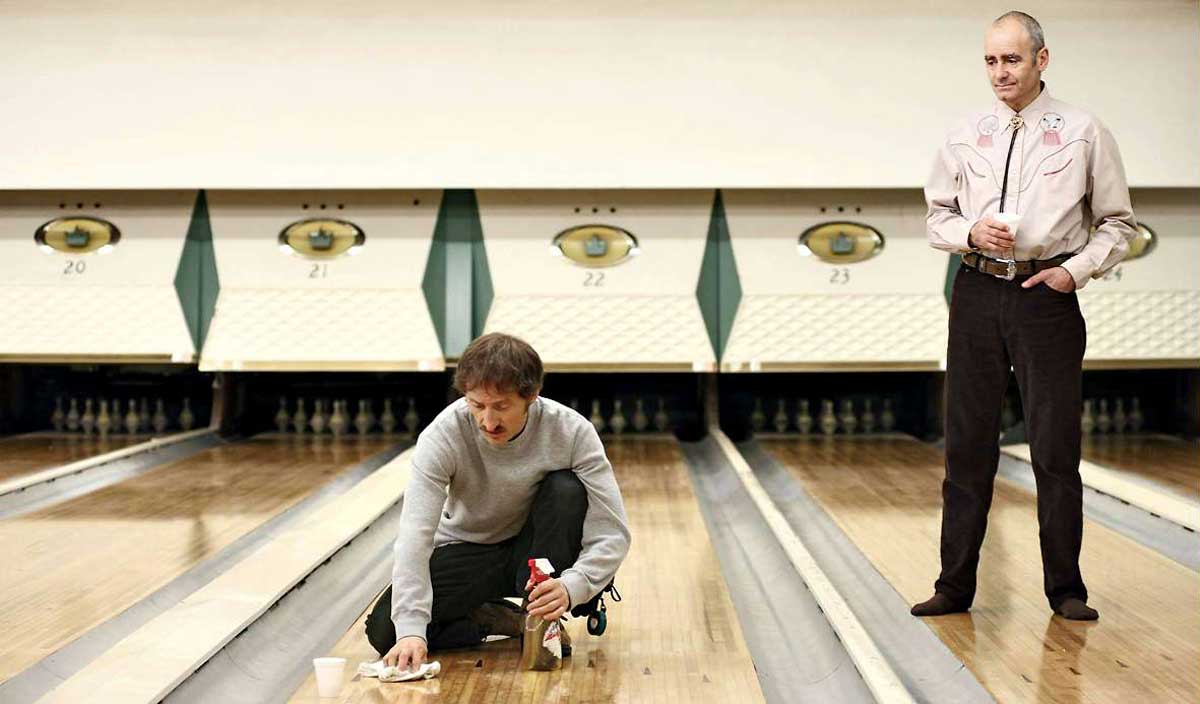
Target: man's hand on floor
{"points": [[408, 654]]}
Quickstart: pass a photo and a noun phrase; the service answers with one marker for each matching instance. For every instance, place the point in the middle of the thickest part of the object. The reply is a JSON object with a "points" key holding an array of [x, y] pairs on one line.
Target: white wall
{"points": [[853, 93]]}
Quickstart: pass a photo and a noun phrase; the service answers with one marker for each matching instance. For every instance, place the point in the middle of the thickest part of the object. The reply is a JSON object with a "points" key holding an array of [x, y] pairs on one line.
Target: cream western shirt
{"points": [[1064, 177]]}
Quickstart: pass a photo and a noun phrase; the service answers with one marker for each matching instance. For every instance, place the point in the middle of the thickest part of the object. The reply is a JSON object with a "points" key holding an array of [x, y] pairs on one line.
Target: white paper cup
{"points": [[329, 675], [1013, 220]]}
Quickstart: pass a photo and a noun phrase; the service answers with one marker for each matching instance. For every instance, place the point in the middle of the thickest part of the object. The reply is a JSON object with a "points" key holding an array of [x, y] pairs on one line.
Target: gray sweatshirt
{"points": [[462, 489]]}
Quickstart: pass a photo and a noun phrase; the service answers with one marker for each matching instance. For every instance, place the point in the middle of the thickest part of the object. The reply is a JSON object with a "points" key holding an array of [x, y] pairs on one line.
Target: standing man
{"points": [[1014, 304], [502, 475]]}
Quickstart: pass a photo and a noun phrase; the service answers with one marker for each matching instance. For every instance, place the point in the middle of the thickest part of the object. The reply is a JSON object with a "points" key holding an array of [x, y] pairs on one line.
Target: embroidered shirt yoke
{"points": [[1064, 178]]}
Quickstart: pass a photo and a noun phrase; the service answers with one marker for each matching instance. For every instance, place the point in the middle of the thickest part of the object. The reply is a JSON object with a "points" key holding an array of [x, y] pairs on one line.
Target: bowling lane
{"points": [[675, 638], [26, 454], [886, 495], [1171, 463], [73, 565]]}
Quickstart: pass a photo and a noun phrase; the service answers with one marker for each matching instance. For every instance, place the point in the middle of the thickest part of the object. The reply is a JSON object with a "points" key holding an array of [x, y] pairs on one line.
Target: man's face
{"points": [[1013, 70], [498, 415]]}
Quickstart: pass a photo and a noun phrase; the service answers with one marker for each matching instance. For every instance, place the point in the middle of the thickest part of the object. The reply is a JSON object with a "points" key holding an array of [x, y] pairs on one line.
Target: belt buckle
{"points": [[1010, 270]]}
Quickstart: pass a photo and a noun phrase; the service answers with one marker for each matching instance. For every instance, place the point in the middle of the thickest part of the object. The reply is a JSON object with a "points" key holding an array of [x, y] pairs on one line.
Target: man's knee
{"points": [[381, 632], [564, 489]]}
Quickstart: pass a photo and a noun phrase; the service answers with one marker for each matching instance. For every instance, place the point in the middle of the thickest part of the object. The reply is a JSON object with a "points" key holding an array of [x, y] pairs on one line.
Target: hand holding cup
{"points": [[996, 235]]}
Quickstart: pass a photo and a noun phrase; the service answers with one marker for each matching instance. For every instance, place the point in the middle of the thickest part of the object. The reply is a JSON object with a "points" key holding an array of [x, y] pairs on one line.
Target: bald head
{"points": [[1032, 28]]}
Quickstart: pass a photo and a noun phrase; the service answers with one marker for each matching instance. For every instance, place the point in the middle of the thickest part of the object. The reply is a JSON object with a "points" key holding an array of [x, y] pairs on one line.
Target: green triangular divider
{"points": [[457, 282], [196, 281], [719, 290]]}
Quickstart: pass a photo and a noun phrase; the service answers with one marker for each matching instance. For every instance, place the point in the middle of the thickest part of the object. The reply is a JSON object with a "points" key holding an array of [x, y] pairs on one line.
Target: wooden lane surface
{"points": [[1170, 462], [25, 454], [73, 565], [674, 639], [886, 495]]}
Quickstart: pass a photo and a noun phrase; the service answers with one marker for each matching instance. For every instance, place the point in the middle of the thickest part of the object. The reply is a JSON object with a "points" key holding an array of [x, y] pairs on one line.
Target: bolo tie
{"points": [[1016, 123]]}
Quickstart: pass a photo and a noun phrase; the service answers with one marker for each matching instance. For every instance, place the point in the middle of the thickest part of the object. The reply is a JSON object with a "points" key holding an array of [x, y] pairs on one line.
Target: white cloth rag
{"points": [[394, 674]]}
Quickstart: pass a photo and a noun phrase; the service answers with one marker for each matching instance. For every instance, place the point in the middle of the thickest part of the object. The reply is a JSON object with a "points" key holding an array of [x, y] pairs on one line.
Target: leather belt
{"points": [[1008, 270]]}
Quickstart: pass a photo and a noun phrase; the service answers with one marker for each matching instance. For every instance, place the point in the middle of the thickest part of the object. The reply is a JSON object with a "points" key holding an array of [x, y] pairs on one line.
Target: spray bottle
{"points": [[541, 643]]}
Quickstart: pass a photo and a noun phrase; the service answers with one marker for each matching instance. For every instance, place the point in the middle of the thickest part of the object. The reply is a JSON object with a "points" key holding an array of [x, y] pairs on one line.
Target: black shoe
{"points": [[937, 605], [1075, 610], [499, 618]]}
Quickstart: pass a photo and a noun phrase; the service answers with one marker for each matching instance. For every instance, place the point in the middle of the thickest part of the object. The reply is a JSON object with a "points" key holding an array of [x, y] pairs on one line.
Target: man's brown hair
{"points": [[502, 362]]}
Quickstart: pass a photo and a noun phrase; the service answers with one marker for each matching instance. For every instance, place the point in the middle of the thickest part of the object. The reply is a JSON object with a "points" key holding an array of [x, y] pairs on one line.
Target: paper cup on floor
{"points": [[329, 675]]}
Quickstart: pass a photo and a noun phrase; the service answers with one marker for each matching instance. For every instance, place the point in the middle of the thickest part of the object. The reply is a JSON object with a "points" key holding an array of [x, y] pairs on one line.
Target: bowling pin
{"points": [[73, 417], [186, 418], [362, 421], [103, 420], [299, 418], [640, 420], [758, 419], [160, 417], [282, 418], [662, 419], [868, 417], [781, 418], [596, 418], [617, 422], [827, 420], [887, 419], [144, 416], [804, 419], [387, 421], [58, 419], [1136, 419], [411, 420], [337, 420], [846, 417], [1087, 419], [1118, 417], [131, 418], [318, 420], [87, 421], [575, 405], [1103, 419]]}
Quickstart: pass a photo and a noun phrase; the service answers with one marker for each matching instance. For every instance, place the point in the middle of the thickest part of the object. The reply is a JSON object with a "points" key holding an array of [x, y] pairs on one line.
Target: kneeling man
{"points": [[502, 475]]}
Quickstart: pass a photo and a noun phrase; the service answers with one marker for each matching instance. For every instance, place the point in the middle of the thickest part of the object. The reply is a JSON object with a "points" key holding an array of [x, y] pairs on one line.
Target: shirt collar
{"points": [[1039, 105]]}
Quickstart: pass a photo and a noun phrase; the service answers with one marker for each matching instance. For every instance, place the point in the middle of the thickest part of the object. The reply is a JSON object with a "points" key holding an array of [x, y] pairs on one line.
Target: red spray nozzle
{"points": [[536, 574]]}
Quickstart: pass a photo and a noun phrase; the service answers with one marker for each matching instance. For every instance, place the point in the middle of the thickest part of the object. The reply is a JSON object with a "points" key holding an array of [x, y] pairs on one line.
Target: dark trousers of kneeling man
{"points": [[465, 576]]}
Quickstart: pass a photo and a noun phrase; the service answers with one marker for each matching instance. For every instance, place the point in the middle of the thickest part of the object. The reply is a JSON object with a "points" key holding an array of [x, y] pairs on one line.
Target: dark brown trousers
{"points": [[1039, 333]]}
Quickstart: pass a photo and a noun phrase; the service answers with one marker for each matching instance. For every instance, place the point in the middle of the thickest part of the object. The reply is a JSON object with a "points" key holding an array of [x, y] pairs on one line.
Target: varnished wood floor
{"points": [[675, 638], [25, 454], [1171, 462], [886, 495], [71, 566]]}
